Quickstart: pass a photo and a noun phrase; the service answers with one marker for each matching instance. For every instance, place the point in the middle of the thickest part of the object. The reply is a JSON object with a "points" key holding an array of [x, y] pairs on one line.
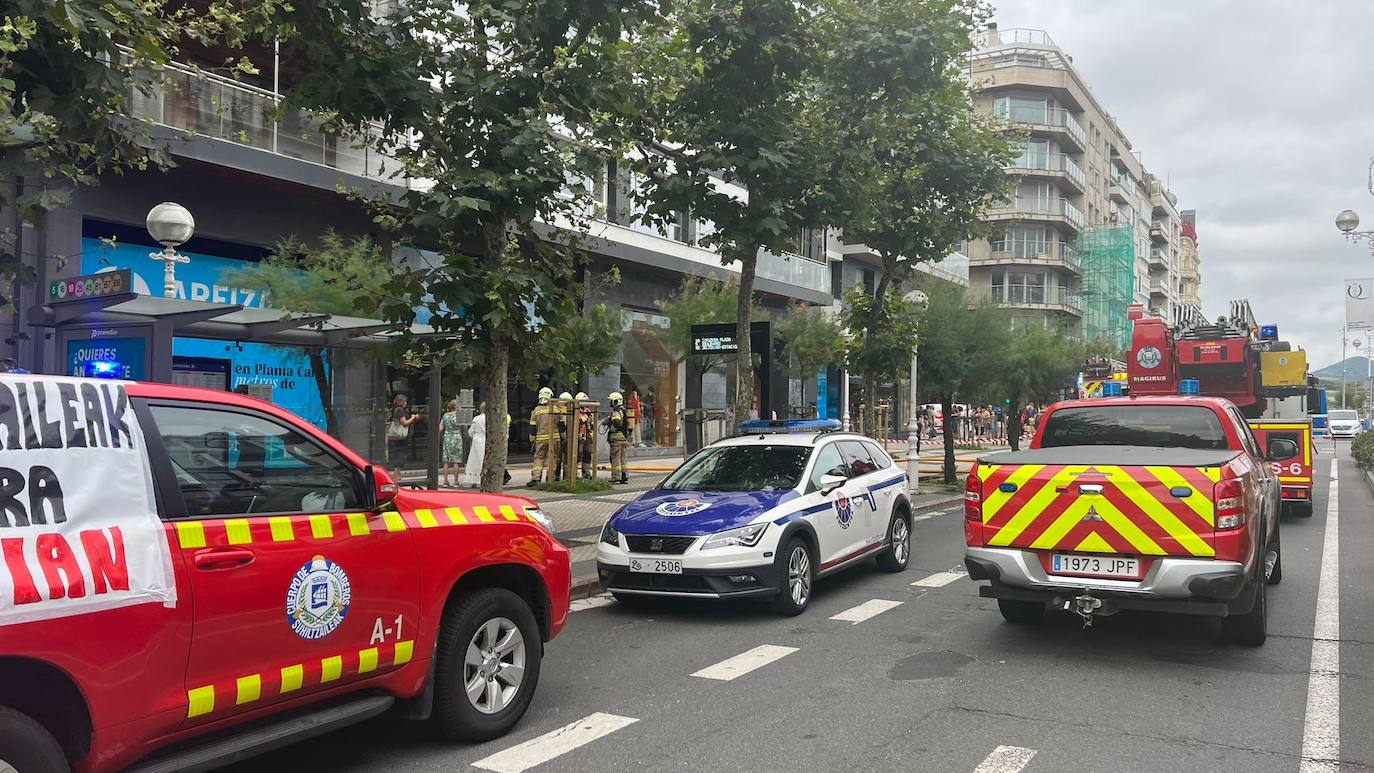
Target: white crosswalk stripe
{"points": [[868, 609], [538, 751], [1006, 759], [940, 579], [743, 663], [599, 600]]}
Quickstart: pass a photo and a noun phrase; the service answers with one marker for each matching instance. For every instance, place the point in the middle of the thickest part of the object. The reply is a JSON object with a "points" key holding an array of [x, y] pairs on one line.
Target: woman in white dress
{"points": [[477, 448]]}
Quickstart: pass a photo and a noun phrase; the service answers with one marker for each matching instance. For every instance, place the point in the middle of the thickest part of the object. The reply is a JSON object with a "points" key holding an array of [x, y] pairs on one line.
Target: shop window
{"points": [[649, 378]]}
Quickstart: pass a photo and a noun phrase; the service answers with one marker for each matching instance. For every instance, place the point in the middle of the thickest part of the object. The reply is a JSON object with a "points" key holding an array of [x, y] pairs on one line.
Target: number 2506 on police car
{"points": [[1100, 566], [656, 565]]}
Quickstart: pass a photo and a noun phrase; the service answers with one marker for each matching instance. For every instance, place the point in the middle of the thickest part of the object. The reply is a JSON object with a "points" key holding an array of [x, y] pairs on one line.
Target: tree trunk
{"points": [[744, 361], [331, 424], [870, 406], [495, 378], [947, 405]]}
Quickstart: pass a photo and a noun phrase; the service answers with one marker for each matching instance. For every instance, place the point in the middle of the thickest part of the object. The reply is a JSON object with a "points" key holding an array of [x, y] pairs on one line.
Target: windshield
{"points": [[1344, 416], [741, 468], [1168, 426]]}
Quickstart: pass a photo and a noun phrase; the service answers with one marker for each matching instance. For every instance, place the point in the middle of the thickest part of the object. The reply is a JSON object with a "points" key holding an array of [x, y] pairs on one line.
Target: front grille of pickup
{"points": [[669, 546]]}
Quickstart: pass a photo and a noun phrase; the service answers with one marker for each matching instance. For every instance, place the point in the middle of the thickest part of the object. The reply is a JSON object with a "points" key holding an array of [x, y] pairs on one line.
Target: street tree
{"points": [[67, 72], [879, 354], [506, 112], [701, 301], [734, 134], [812, 339], [962, 338], [1035, 363]]}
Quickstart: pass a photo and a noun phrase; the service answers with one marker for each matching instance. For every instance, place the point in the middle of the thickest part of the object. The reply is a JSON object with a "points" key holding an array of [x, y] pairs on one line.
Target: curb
{"points": [[1369, 476], [588, 585]]}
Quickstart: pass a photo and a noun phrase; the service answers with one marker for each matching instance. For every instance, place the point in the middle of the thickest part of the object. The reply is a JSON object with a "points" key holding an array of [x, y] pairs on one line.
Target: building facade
{"points": [[1087, 229]]}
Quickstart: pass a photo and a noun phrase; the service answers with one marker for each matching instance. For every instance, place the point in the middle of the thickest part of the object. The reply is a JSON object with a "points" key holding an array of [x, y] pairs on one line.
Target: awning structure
{"points": [[230, 321]]}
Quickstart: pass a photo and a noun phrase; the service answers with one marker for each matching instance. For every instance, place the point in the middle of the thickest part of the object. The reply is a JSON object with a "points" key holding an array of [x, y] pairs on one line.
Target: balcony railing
{"points": [[1051, 162], [796, 270], [1056, 117], [1021, 295], [213, 106], [1059, 251], [1031, 205]]}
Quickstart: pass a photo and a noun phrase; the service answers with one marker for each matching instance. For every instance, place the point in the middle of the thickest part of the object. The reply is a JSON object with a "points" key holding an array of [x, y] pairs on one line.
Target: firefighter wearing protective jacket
{"points": [[618, 436], [542, 428], [564, 416], [585, 435]]}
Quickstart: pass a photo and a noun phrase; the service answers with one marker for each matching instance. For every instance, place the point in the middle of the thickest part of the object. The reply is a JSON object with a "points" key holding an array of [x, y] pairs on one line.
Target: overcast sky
{"points": [[1260, 115]]}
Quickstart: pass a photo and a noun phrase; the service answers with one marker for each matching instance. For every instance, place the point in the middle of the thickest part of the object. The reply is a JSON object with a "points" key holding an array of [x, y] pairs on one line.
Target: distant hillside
{"points": [[1354, 369]]}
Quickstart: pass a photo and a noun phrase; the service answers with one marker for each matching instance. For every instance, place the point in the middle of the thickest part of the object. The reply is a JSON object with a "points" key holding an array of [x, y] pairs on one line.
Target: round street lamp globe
{"points": [[170, 224], [1347, 221], [919, 298]]}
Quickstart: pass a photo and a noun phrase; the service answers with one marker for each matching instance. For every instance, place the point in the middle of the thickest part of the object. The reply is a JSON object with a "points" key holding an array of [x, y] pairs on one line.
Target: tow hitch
{"points": [[1085, 606]]}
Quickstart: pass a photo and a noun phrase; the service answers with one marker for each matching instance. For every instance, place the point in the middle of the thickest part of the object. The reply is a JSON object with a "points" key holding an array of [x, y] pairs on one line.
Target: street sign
{"points": [[81, 288]]}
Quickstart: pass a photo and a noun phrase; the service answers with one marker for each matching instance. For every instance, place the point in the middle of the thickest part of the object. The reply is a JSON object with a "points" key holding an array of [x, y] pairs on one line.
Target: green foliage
{"points": [[1362, 448], [1034, 364], [340, 276], [811, 339], [570, 348], [700, 301], [67, 71], [882, 334]]}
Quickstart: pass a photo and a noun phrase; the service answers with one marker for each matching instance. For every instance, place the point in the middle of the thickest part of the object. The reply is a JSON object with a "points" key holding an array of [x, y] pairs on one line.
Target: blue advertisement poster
{"points": [[280, 373], [123, 355]]}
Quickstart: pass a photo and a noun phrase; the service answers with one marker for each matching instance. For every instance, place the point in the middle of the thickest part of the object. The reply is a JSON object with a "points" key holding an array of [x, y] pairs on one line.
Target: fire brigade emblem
{"points": [[844, 511], [1148, 357], [681, 507], [318, 599]]}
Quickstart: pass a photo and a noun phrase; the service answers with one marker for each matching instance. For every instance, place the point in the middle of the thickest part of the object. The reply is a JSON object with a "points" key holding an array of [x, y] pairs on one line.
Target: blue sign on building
{"points": [[286, 369]]}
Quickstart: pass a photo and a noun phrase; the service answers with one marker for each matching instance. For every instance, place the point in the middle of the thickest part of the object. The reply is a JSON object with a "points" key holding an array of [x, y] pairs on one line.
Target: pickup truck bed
{"points": [[1116, 455]]}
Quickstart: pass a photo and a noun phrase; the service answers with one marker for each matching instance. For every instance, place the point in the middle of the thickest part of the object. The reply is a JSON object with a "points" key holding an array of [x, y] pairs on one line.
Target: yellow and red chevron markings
{"points": [[218, 532], [1138, 511], [289, 679]]}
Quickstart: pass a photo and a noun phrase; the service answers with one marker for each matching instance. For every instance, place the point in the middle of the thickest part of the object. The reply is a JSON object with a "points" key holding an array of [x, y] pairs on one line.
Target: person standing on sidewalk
{"points": [[585, 435], [618, 436], [636, 417], [542, 428], [452, 433], [477, 448]]}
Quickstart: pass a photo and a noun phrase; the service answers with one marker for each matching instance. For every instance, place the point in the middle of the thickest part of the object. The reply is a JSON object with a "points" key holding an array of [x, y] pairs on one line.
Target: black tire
{"points": [[798, 553], [454, 713], [1021, 612], [1301, 509], [27, 746], [1276, 575], [896, 557], [1251, 628]]}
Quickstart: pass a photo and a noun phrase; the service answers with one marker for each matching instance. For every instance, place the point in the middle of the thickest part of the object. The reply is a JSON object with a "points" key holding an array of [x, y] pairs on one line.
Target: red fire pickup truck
{"points": [[1162, 503], [189, 577]]}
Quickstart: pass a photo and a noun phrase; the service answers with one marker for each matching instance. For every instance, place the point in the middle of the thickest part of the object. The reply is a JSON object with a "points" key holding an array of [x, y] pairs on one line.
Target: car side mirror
{"points": [[381, 488], [830, 481], [1281, 449]]}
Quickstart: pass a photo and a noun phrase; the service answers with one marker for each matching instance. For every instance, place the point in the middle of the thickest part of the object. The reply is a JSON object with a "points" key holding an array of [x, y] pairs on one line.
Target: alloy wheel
{"points": [[799, 575], [901, 541], [494, 666]]}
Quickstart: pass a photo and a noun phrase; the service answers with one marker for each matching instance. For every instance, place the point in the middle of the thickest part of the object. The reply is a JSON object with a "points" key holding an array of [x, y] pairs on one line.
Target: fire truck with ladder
{"points": [[1242, 361]]}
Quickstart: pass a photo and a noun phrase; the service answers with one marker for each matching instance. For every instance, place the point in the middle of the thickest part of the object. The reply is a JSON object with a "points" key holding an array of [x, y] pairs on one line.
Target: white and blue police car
{"points": [[761, 515]]}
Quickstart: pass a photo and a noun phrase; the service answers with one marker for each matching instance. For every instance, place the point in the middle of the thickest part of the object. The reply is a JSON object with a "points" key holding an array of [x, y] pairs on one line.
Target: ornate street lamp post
{"points": [[171, 226], [913, 425]]}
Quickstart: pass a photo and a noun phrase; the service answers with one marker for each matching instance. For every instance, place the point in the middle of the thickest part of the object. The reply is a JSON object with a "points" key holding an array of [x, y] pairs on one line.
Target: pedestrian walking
{"points": [[477, 448], [451, 430], [398, 431], [618, 436], [542, 428]]}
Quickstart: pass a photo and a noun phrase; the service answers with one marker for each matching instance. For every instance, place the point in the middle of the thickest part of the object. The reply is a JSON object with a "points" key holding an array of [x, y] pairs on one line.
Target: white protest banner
{"points": [[78, 528], [1359, 304]]}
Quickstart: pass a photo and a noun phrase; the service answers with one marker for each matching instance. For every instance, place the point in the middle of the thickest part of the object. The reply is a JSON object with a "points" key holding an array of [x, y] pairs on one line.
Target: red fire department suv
{"points": [[189, 577]]}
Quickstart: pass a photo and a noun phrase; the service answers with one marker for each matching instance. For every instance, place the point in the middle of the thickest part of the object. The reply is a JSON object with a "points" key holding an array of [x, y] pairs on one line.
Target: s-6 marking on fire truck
{"points": [[1160, 503], [761, 516], [189, 577]]}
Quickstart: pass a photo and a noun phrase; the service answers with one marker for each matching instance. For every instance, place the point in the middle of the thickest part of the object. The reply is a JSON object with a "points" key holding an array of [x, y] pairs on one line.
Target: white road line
{"points": [[868, 609], [1006, 759], [745, 662], [538, 751], [940, 580], [599, 600], [1321, 729]]}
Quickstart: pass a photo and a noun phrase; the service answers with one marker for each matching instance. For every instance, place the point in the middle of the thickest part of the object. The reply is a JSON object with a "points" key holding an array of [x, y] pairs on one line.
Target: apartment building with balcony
{"points": [[1076, 171], [1189, 261]]}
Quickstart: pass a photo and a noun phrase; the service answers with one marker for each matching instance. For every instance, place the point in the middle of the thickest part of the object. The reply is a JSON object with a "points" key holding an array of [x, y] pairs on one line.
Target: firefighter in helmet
{"points": [[585, 435], [618, 436], [542, 429], [564, 414]]}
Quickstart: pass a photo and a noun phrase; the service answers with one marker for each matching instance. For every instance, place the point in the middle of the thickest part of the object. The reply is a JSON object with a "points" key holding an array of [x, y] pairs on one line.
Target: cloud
{"points": [[1256, 114]]}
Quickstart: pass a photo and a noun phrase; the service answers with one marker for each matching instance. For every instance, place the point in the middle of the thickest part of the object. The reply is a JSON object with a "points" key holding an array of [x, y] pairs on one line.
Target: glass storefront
{"points": [[649, 379]]}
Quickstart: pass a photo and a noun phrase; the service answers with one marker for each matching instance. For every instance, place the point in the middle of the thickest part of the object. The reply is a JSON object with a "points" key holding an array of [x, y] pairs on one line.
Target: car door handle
{"points": [[222, 558]]}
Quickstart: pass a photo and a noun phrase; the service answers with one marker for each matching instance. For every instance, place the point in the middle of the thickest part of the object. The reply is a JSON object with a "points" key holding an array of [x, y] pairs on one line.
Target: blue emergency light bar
{"points": [[779, 426], [1111, 389], [104, 369], [1189, 386], [1269, 332]]}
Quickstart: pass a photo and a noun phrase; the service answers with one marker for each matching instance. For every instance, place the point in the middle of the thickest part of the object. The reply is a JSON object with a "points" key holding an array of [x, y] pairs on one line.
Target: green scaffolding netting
{"points": [[1107, 255]]}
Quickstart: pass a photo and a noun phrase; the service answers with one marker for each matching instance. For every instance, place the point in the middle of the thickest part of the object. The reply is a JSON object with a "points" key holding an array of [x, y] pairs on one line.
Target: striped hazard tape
{"points": [[219, 532]]}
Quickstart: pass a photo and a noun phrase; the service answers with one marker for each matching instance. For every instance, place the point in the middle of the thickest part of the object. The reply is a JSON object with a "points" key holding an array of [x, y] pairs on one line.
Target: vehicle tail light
{"points": [[973, 495], [1229, 497]]}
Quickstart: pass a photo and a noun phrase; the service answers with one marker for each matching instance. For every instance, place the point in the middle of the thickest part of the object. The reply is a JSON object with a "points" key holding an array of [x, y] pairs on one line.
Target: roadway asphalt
{"points": [[938, 682]]}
